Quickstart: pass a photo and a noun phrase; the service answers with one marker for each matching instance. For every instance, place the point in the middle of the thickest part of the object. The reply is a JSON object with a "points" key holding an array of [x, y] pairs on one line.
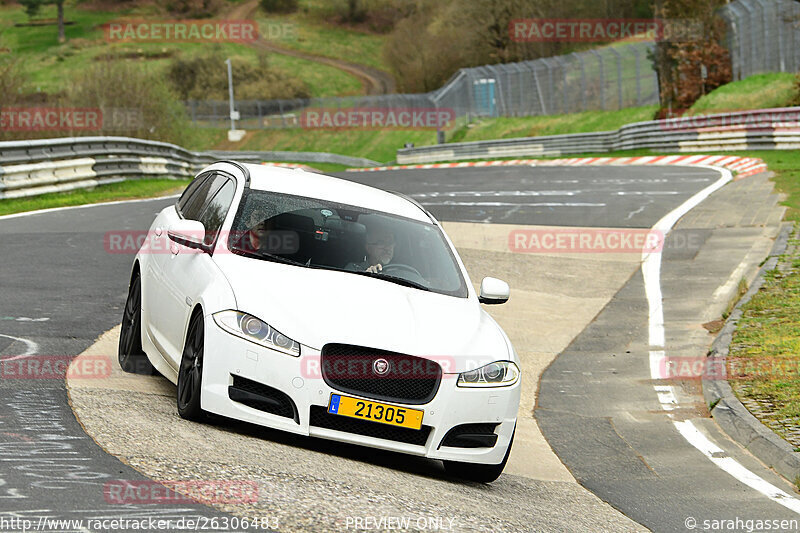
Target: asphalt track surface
{"points": [[619, 197], [60, 289]]}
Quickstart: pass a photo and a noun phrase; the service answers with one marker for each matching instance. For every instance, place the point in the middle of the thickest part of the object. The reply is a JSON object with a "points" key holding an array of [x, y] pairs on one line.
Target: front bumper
{"points": [[300, 379]]}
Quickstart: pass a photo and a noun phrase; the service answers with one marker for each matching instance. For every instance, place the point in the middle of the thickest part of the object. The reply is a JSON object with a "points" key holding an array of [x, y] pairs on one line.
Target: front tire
{"points": [[190, 374], [476, 471], [130, 354]]}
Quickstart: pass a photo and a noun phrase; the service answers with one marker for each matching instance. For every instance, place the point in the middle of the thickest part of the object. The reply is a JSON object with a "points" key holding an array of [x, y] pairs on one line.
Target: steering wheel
{"points": [[402, 267]]}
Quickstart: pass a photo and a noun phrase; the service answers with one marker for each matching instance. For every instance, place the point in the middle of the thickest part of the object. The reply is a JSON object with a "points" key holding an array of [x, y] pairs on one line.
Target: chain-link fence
{"points": [[299, 112], [609, 78], [763, 36]]}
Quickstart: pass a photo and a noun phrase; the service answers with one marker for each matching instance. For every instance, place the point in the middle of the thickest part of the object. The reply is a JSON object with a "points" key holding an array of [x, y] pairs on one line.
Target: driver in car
{"points": [[379, 251], [254, 236]]}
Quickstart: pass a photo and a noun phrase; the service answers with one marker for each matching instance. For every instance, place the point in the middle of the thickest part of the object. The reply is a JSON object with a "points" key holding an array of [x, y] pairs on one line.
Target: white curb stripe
{"points": [[745, 166], [651, 271]]}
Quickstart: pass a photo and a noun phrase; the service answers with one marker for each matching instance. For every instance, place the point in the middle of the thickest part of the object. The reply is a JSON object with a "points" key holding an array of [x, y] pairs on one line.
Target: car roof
{"points": [[312, 185]]}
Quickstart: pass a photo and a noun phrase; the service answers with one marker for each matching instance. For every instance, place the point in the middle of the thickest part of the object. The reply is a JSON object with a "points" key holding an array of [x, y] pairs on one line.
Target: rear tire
{"points": [[190, 374], [476, 471], [130, 354]]}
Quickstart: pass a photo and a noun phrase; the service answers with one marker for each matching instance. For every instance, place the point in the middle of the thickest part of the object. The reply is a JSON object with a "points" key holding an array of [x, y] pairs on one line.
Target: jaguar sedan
{"points": [[323, 307]]}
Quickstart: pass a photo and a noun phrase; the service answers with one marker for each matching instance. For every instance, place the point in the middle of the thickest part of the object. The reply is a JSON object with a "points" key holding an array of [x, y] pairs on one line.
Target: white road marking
{"points": [[733, 280], [30, 347], [651, 271], [454, 194], [646, 193], [635, 212], [718, 456], [84, 206], [495, 194], [512, 204]]}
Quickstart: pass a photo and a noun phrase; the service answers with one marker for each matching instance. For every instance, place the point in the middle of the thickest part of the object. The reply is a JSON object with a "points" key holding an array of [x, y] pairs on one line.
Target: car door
{"points": [[154, 303], [188, 272]]}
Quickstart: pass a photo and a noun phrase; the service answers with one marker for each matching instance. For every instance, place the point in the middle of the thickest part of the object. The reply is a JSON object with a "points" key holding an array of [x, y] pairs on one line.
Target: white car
{"points": [[323, 307]]}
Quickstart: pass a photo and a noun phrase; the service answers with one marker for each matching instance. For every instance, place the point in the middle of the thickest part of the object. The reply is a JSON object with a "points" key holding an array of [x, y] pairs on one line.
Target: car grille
{"points": [[320, 417], [407, 379], [262, 397], [471, 436]]}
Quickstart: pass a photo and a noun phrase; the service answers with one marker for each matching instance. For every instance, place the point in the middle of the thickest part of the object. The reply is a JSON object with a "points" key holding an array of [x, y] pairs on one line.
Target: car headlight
{"points": [[497, 374], [252, 329]]}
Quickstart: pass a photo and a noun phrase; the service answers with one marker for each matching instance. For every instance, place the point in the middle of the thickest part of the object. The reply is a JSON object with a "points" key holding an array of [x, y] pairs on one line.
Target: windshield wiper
{"points": [[395, 279]]}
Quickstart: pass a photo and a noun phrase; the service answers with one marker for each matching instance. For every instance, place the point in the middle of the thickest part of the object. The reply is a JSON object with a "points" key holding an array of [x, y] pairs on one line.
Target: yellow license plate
{"points": [[375, 412]]}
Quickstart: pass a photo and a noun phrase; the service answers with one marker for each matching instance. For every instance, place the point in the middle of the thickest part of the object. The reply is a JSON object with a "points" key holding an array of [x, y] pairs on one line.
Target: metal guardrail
{"points": [[764, 129], [30, 168]]}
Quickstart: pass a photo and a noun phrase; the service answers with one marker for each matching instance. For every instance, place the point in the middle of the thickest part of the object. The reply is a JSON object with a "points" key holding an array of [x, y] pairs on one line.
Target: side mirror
{"points": [[189, 233], [494, 291]]}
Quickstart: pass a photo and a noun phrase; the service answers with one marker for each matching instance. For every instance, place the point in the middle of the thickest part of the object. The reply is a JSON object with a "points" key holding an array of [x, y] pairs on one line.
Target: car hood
{"points": [[316, 307]]}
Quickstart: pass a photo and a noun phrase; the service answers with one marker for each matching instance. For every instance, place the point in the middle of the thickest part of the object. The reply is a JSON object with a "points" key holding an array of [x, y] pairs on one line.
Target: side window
{"points": [[190, 190], [194, 207], [214, 215]]}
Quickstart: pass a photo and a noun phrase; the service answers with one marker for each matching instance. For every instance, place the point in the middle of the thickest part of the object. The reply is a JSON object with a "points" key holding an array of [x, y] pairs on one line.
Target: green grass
{"points": [[314, 33], [588, 121], [756, 92], [52, 66], [786, 166], [764, 359], [322, 80], [324, 167], [378, 145], [126, 190], [382, 145]]}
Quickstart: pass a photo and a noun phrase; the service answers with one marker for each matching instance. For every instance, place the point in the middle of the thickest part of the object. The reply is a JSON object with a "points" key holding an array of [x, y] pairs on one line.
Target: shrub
{"points": [[206, 78], [12, 85], [279, 6], [423, 56], [135, 103], [12, 82], [195, 9]]}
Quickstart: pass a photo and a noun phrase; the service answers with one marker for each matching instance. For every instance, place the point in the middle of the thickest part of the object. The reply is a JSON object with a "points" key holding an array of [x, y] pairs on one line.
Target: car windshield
{"points": [[314, 233]]}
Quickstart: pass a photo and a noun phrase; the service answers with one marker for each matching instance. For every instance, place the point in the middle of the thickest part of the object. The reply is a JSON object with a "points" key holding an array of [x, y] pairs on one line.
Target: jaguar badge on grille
{"points": [[380, 366]]}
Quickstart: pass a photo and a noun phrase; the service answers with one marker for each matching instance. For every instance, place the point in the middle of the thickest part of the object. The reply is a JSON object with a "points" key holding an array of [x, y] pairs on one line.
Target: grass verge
{"points": [[764, 358], [52, 66], [315, 32], [587, 121], [125, 190], [756, 92], [378, 145], [324, 167]]}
